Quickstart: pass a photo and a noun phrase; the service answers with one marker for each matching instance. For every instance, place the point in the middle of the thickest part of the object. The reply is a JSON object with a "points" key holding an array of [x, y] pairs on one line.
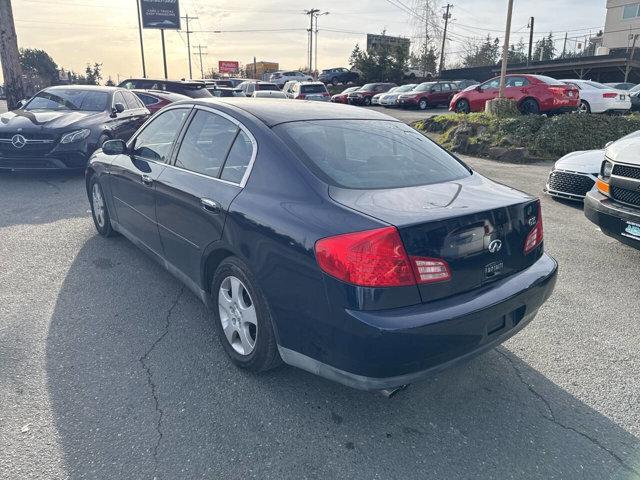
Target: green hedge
{"points": [[542, 136]]}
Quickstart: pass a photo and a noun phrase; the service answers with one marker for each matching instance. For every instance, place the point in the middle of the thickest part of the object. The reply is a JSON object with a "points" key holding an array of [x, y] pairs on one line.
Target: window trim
{"points": [[236, 122]]}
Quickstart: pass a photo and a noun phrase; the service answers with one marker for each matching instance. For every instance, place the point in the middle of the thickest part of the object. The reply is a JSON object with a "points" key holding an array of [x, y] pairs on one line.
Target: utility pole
{"points": [[531, 24], [446, 17], [315, 68], [505, 50], [10, 57], [200, 47], [144, 68], [630, 57], [564, 47], [187, 18], [312, 14], [164, 54]]}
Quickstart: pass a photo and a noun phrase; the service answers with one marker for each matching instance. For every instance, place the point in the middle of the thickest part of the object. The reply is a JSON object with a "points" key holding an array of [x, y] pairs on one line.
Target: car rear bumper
{"points": [[385, 349], [612, 217]]}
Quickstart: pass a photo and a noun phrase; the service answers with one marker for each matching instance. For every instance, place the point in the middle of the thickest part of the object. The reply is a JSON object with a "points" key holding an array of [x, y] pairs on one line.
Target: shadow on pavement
{"points": [[38, 198], [140, 388]]}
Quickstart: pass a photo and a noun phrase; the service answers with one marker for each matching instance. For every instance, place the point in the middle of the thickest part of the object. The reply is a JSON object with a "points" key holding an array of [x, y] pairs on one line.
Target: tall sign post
{"points": [[162, 15], [144, 67]]}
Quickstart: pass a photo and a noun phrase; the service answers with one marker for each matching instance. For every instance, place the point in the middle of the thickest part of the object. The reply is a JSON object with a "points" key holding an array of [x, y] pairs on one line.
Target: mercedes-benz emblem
{"points": [[495, 246], [18, 141]]}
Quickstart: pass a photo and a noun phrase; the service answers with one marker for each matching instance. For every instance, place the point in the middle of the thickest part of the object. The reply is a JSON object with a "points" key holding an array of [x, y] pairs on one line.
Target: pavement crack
{"points": [[147, 368], [551, 417]]}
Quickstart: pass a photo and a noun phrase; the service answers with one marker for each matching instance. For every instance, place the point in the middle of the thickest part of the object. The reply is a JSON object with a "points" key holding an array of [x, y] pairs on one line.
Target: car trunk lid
{"points": [[477, 226]]}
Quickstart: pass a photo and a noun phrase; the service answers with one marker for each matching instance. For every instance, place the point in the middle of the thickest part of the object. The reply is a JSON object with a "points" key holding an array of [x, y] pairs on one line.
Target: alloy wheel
{"points": [[583, 107], [98, 204], [423, 104], [238, 315]]}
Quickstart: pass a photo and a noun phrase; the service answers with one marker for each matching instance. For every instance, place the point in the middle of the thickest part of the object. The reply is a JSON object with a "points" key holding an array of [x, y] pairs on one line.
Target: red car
{"points": [[342, 97], [534, 93], [429, 94], [154, 100]]}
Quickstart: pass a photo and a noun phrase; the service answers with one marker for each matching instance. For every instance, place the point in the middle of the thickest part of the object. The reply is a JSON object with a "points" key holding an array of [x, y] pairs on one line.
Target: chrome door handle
{"points": [[147, 180], [210, 205]]}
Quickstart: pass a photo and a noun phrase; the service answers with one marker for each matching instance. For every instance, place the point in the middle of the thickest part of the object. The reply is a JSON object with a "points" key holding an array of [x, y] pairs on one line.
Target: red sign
{"points": [[226, 66]]}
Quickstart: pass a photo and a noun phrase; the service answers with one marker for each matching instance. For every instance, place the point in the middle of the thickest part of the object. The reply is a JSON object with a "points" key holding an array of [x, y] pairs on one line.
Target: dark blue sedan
{"points": [[336, 239]]}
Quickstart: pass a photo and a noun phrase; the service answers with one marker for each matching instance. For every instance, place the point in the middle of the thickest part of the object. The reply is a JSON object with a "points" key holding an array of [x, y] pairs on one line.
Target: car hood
{"points": [[24, 120], [626, 149], [588, 161]]}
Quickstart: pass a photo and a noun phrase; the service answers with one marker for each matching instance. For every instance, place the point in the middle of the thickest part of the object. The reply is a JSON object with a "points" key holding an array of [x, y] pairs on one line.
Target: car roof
{"points": [[98, 88], [274, 112]]}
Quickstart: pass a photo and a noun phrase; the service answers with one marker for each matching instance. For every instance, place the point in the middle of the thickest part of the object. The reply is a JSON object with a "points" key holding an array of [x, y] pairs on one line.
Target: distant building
{"points": [[259, 69], [622, 22]]}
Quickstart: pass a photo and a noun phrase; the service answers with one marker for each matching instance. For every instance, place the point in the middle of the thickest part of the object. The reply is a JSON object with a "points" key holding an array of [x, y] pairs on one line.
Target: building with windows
{"points": [[621, 24]]}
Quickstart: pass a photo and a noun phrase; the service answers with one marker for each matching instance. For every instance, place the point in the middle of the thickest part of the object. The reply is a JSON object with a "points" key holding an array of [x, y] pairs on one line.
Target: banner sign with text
{"points": [[227, 66], [164, 14]]}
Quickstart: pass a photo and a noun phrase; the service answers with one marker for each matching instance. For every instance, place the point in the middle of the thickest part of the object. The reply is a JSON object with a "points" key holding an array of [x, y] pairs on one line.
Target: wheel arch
{"points": [[529, 98], [212, 259]]}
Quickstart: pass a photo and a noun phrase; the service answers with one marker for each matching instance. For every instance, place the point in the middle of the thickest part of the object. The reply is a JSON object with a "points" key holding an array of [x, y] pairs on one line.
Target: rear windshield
{"points": [[266, 86], [313, 88], [370, 154], [196, 91], [547, 80]]}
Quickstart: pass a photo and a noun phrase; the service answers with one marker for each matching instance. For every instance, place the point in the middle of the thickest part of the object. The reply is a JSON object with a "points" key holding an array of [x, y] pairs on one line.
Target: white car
{"points": [[598, 98], [269, 94], [574, 175], [390, 99], [280, 78], [316, 91]]}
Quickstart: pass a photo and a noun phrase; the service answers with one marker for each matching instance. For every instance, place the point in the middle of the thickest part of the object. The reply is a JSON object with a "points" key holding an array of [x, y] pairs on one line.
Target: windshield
{"points": [[369, 87], [404, 88], [635, 89], [370, 154], [423, 87], [71, 99]]}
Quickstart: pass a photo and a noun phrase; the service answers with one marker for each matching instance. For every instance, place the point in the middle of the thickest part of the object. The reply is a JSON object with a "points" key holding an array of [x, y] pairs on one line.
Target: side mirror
{"points": [[608, 144], [114, 147], [433, 90], [478, 88], [118, 108], [21, 103]]}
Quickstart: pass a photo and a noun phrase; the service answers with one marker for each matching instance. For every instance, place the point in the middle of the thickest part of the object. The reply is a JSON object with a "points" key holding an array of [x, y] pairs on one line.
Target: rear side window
{"points": [[238, 159], [314, 88], [206, 144], [370, 154]]}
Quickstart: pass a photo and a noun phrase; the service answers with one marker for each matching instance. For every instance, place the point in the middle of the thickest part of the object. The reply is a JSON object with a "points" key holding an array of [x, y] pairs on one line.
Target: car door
{"points": [[487, 91], [196, 189], [445, 94], [133, 175], [516, 87]]}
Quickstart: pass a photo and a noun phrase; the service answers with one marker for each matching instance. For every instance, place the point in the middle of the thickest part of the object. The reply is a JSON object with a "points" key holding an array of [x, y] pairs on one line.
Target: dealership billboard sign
{"points": [[375, 42], [163, 14], [228, 66]]}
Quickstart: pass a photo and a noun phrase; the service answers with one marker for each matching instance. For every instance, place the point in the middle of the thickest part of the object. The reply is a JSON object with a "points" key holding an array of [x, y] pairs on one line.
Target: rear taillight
{"points": [[609, 95], [535, 235], [559, 91], [376, 258]]}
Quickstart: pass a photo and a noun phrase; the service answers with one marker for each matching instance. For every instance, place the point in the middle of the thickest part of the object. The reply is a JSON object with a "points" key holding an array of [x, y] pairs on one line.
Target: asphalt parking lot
{"points": [[109, 368]]}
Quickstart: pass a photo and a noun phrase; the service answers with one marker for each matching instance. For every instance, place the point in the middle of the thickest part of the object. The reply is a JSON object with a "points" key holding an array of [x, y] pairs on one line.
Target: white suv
{"points": [[280, 78]]}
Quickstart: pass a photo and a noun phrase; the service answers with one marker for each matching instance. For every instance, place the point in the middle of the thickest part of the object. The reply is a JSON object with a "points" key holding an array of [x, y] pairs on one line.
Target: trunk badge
{"points": [[495, 246]]}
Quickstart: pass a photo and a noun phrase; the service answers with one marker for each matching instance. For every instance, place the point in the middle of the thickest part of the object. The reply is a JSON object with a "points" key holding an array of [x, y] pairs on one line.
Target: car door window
{"points": [[436, 88], [206, 144], [516, 82], [491, 84], [118, 98], [445, 87], [156, 140], [239, 158], [130, 98]]}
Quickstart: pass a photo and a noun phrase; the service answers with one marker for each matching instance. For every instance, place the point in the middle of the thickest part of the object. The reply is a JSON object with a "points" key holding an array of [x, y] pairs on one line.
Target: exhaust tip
{"points": [[392, 392]]}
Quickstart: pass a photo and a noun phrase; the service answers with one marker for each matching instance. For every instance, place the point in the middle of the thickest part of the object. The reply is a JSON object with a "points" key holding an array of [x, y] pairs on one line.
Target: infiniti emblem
{"points": [[495, 246], [18, 141]]}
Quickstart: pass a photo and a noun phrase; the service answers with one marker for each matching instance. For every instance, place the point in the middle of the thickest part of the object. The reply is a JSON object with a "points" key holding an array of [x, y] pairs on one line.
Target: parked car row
{"points": [[608, 182]]}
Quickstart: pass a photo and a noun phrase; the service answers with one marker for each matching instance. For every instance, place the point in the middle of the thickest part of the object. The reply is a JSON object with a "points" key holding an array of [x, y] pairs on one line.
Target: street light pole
{"points": [[505, 50], [316, 46]]}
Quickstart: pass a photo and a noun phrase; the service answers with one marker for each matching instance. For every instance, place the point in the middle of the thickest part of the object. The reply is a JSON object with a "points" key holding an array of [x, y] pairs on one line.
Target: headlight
{"points": [[606, 170], [75, 136]]}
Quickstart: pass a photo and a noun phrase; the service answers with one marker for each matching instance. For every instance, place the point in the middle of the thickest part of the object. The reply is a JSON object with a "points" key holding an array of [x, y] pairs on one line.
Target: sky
{"points": [[75, 32]]}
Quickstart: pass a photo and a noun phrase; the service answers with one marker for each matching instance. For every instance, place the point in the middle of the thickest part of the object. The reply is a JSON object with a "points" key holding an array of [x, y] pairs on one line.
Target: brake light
{"points": [[536, 235], [376, 258], [609, 95], [602, 186], [559, 91]]}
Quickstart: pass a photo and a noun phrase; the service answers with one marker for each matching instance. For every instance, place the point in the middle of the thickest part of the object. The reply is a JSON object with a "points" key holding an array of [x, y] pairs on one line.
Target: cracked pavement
{"points": [[109, 368]]}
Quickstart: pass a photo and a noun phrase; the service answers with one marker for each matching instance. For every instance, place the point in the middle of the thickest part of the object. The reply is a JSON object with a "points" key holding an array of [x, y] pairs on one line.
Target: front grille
{"points": [[625, 196], [28, 136], [626, 171], [29, 150], [571, 183]]}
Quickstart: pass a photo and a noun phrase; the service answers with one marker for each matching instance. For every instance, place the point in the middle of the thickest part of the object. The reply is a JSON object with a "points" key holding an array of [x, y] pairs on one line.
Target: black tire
{"points": [[367, 101], [462, 106], [423, 104], [529, 107], [101, 222], [264, 355], [584, 107], [334, 81]]}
